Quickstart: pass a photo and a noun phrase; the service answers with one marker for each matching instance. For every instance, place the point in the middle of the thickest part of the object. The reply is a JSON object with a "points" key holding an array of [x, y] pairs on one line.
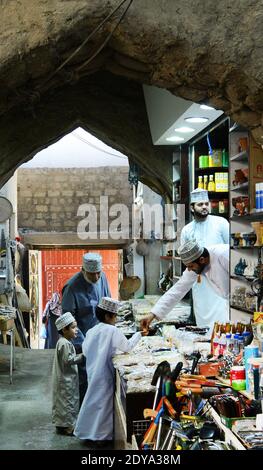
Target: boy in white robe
{"points": [[95, 420], [65, 381]]}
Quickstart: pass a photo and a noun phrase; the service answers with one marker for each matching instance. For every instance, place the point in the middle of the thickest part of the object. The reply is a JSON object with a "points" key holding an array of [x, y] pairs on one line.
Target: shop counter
{"points": [[130, 406]]}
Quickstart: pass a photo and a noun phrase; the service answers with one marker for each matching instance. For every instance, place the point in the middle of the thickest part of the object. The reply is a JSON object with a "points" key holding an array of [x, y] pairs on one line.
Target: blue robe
{"points": [[81, 298]]}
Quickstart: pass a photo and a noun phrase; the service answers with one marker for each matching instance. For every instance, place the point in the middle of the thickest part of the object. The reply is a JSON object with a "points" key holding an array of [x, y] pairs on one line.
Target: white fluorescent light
{"points": [[196, 119], [184, 129], [204, 106], [175, 138]]}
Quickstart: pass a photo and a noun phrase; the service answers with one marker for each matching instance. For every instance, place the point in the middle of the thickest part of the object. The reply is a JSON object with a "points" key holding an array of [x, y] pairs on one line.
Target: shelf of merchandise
{"points": [[256, 217], [245, 247], [236, 307], [240, 157], [220, 169], [240, 187], [221, 194], [242, 278]]}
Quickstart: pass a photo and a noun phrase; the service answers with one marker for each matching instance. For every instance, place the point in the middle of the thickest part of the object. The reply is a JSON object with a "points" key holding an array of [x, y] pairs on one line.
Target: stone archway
{"points": [[198, 49]]}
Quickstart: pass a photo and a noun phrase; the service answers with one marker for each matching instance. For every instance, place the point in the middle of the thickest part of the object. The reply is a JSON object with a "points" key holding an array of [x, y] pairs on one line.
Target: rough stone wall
{"points": [[48, 199]]}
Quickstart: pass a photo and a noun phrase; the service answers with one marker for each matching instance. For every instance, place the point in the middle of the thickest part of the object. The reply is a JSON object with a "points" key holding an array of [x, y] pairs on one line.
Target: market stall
{"points": [[182, 389]]}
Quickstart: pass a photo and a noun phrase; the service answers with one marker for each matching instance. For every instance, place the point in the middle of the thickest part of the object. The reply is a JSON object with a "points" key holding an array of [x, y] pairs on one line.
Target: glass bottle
{"points": [[211, 184], [200, 182]]}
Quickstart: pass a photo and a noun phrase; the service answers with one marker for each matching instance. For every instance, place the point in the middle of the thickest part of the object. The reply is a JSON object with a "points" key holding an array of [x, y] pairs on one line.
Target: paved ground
{"points": [[25, 406]]}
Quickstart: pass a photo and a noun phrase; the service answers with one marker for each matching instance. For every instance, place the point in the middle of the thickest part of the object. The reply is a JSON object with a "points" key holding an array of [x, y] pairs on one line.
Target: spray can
{"points": [[261, 196], [258, 197]]}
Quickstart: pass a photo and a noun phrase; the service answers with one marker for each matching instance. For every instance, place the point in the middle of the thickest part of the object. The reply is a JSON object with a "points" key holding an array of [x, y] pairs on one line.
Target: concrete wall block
{"points": [[39, 223], [52, 193], [41, 208], [26, 193], [111, 192]]}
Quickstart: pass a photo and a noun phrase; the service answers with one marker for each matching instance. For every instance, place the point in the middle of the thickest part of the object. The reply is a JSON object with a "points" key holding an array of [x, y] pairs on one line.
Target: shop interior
{"points": [[186, 385]]}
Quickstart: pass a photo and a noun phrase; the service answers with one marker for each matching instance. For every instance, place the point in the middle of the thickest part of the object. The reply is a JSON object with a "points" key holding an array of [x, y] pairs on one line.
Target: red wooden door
{"points": [[60, 265]]}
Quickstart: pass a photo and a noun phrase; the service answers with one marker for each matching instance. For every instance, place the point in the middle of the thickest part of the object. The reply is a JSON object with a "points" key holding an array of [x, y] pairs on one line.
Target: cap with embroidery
{"points": [[190, 251], [199, 195], [64, 320], [111, 305], [92, 262]]}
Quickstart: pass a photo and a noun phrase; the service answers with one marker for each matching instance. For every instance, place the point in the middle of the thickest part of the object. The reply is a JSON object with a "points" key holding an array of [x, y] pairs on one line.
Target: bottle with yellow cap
{"points": [[200, 182], [211, 184]]}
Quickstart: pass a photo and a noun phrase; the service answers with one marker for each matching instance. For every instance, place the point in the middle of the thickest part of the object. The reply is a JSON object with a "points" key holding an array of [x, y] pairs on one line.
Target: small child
{"points": [[65, 379], [95, 420]]}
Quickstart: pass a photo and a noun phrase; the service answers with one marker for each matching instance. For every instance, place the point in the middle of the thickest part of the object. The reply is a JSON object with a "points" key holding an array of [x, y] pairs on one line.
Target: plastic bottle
{"points": [[229, 343], [216, 345], [211, 184], [236, 344], [205, 182], [200, 182], [241, 343], [222, 344]]}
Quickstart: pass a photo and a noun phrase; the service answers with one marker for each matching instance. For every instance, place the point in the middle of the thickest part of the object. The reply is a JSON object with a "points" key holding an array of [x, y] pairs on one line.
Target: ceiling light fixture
{"points": [[175, 138], [196, 119], [205, 106], [184, 129]]}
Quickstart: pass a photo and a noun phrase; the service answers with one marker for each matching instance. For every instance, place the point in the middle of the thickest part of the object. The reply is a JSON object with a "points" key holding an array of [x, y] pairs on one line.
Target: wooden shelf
{"points": [[221, 169], [222, 194], [240, 157], [242, 309], [241, 187], [244, 247], [257, 216], [230, 437], [242, 278]]}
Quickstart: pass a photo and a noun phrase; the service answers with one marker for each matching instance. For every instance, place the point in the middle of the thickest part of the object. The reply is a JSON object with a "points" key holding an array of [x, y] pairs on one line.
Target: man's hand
{"points": [[145, 322]]}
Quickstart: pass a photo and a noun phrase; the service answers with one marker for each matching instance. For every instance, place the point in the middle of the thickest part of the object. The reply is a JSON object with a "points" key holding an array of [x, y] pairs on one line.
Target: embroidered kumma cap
{"points": [[199, 195], [190, 251], [92, 262], [109, 304], [64, 320]]}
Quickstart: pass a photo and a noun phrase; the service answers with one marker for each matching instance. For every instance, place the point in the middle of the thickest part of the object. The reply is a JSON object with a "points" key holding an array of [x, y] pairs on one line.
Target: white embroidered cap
{"points": [[199, 195], [64, 320], [111, 305], [190, 251], [92, 262]]}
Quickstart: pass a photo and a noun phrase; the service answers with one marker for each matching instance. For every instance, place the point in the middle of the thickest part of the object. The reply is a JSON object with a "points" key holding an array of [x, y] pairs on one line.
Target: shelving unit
{"points": [[244, 155], [219, 140], [242, 278], [241, 187], [172, 264], [240, 157], [254, 217], [242, 309]]}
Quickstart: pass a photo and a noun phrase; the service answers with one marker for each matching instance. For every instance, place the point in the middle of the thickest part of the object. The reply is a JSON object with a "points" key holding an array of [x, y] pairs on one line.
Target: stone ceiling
{"points": [[201, 50]]}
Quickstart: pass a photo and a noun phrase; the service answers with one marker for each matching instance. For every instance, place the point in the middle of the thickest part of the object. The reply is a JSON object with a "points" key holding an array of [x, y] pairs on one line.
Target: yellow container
{"points": [[215, 160]]}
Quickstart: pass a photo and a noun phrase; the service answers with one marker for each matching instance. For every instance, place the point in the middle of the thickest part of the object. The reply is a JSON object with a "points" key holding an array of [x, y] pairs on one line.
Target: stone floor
{"points": [[25, 405]]}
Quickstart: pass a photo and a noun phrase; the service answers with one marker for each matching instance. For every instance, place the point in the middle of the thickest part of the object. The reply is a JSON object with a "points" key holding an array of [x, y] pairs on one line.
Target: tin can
{"points": [[238, 378]]}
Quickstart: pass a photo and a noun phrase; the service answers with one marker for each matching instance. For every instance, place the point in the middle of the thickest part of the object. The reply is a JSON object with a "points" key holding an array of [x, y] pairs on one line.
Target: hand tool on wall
{"points": [[197, 356], [160, 372]]}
